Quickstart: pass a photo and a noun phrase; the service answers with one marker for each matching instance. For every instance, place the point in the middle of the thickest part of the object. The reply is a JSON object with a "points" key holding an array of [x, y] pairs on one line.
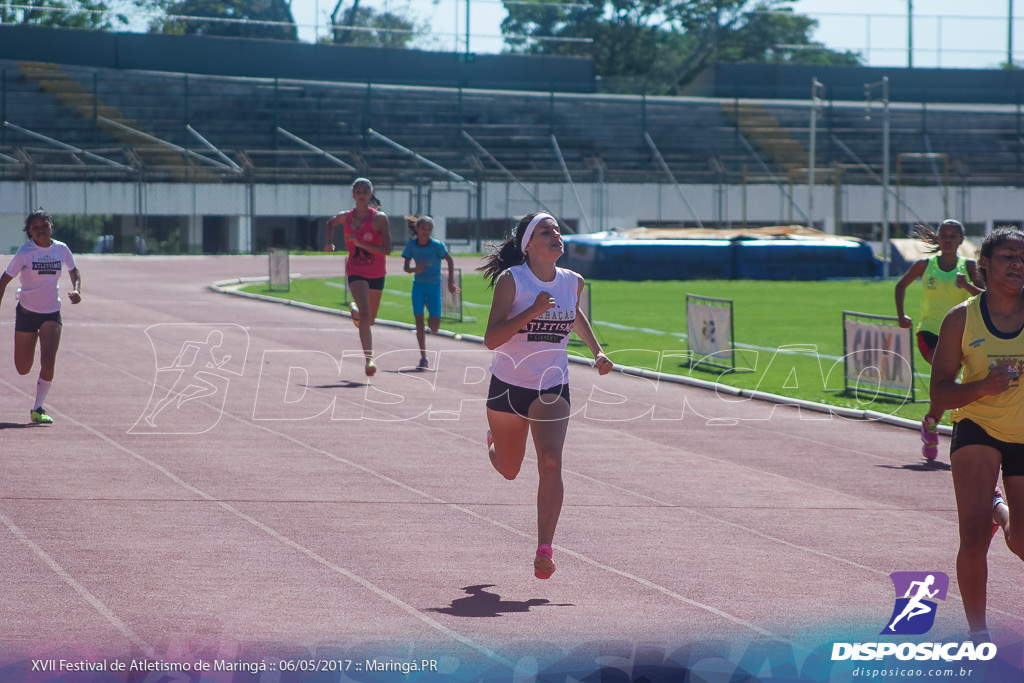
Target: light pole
{"points": [[811, 163], [1009, 35], [910, 34], [868, 87]]}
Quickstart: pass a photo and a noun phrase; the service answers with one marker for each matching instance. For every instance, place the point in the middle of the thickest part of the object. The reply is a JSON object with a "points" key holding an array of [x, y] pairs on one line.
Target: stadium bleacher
{"points": [[148, 124]]}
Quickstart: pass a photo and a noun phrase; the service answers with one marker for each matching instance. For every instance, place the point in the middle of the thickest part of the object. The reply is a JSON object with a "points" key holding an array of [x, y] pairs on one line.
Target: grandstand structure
{"points": [[224, 163]]}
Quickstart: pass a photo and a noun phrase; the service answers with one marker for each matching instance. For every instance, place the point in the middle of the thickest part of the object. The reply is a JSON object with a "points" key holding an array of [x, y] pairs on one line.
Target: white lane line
{"points": [[454, 506], [527, 535], [278, 536], [583, 558], [419, 493], [636, 494], [719, 520], [97, 604]]}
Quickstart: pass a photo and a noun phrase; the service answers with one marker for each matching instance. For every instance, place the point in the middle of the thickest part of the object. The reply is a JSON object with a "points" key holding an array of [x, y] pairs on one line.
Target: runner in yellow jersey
{"points": [[976, 371], [947, 279]]}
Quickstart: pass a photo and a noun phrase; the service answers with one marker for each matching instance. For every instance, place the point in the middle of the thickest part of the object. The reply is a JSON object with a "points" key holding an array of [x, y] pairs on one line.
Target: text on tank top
{"points": [[535, 356]]}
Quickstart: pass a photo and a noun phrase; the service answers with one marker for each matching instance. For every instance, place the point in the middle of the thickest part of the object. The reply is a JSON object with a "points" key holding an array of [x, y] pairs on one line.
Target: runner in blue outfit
{"points": [[423, 255]]}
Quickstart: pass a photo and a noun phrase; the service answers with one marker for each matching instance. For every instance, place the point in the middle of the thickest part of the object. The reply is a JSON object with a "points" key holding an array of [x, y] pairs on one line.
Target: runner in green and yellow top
{"points": [[976, 373], [948, 279]]}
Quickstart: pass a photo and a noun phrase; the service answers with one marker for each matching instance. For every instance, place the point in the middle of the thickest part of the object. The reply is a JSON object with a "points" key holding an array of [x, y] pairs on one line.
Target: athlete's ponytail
{"points": [[509, 253], [931, 237], [414, 222]]}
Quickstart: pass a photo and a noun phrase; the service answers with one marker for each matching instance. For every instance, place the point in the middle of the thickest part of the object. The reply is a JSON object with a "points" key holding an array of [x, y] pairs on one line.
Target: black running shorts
{"points": [[970, 433], [29, 321], [508, 398]]}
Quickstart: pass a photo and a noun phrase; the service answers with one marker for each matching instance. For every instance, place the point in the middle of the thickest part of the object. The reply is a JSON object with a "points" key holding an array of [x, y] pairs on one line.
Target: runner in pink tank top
{"points": [[368, 240], [361, 261]]}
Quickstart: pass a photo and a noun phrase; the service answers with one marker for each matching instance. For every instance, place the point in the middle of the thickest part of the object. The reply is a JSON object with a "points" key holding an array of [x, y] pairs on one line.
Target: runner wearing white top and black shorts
{"points": [[39, 263], [535, 307], [534, 362]]}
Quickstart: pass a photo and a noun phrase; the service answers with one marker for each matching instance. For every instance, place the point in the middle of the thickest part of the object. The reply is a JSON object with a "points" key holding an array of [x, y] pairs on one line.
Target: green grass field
{"points": [[643, 324]]}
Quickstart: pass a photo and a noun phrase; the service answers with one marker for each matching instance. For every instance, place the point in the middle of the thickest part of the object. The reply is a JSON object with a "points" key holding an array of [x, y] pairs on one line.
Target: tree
{"points": [[365, 27], [779, 37], [88, 14], [659, 47], [270, 19], [623, 37]]}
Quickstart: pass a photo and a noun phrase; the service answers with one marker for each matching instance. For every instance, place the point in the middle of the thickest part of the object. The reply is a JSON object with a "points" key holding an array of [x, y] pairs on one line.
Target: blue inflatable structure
{"points": [[753, 255]]}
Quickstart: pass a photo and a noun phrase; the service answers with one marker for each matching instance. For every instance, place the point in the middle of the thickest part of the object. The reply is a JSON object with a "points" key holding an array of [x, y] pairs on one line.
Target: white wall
{"points": [[626, 205]]}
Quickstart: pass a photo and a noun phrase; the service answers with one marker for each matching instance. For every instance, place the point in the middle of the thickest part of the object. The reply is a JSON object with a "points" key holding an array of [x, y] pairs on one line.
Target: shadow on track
{"points": [[481, 603]]}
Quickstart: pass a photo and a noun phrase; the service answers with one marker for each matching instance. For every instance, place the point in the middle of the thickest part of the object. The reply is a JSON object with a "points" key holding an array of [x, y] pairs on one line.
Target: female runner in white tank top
{"points": [[535, 307]]}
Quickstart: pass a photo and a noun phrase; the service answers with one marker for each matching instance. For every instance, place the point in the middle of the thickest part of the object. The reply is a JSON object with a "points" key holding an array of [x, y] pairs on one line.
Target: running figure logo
{"points": [[194, 366], [914, 612]]}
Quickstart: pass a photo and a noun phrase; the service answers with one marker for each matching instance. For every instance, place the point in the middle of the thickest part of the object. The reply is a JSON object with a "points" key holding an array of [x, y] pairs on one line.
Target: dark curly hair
{"points": [[38, 213], [1002, 233]]}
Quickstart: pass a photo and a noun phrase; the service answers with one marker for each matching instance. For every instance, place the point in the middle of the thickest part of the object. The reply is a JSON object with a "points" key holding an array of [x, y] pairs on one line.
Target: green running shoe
{"points": [[39, 415]]}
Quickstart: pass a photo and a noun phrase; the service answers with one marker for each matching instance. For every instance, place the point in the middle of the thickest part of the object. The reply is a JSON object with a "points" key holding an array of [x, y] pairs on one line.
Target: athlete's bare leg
{"points": [[975, 473], [361, 294], [1011, 515], [548, 422], [509, 432], [24, 351], [49, 342]]}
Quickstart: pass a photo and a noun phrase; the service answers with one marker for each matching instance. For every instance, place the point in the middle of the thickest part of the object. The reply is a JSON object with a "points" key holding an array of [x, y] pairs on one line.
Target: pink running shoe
{"points": [[543, 566], [929, 438]]}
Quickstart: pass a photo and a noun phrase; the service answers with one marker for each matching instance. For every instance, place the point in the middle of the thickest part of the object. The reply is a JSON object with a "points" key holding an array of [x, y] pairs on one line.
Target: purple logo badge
{"points": [[916, 592]]}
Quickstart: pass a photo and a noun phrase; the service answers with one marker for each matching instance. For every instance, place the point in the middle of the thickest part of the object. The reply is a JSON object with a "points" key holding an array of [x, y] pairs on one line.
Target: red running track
{"points": [[293, 510]]}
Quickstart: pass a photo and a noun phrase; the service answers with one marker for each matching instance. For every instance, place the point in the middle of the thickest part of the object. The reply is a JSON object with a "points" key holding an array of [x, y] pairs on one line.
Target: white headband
{"points": [[528, 233]]}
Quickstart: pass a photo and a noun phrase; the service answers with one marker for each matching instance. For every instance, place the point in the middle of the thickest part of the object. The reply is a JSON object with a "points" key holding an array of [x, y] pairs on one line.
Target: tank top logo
{"points": [[361, 257], [46, 266], [357, 255], [1014, 365], [550, 329]]}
